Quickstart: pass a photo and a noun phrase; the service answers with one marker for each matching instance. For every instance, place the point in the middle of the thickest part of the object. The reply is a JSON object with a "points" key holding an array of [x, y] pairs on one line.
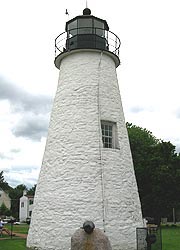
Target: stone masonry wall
{"points": [[79, 179]]}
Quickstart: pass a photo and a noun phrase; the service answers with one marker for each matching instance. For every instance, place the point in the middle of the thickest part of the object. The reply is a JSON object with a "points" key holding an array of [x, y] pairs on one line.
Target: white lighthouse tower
{"points": [[87, 171]]}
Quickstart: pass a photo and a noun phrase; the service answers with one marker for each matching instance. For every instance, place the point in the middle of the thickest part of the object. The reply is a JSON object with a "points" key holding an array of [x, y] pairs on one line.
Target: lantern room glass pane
{"points": [[85, 26], [99, 27], [72, 28]]}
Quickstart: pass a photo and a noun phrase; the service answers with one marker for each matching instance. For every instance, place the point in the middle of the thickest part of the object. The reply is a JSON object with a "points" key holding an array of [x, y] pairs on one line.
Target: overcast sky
{"points": [[149, 74]]}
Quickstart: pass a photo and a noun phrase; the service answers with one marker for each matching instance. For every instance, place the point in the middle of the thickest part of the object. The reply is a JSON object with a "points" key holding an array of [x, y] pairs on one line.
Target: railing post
{"points": [[115, 45], [55, 47]]}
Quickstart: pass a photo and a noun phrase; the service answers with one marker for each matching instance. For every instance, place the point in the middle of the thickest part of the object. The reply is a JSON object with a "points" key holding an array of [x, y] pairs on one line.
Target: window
{"points": [[22, 204], [85, 26], [30, 213], [99, 27], [109, 134], [72, 28]]}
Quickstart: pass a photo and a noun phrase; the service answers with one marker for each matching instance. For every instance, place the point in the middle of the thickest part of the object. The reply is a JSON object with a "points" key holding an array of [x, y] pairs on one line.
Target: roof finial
{"points": [[86, 11]]}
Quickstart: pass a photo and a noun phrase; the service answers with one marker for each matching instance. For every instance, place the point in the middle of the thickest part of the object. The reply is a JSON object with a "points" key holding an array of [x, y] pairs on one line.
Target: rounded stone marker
{"points": [[86, 240]]}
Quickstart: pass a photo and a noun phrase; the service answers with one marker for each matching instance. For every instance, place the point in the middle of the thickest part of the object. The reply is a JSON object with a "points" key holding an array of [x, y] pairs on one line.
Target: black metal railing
{"points": [[88, 38]]}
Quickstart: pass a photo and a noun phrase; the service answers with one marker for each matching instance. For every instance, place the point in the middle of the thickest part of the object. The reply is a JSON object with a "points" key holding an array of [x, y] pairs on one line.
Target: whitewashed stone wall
{"points": [[71, 189]]}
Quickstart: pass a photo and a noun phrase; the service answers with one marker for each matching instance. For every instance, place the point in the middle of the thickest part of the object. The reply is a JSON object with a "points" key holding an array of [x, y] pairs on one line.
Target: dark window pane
{"points": [[85, 26], [72, 28], [106, 132], [110, 128], [84, 22], [98, 24], [99, 27], [106, 145], [106, 139]]}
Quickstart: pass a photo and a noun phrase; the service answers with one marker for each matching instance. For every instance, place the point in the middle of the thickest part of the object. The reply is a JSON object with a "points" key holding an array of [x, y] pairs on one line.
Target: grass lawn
{"points": [[14, 244], [22, 228], [171, 238]]}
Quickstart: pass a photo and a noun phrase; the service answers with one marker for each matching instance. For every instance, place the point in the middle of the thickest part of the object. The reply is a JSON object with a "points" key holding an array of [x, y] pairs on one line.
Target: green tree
{"points": [[3, 184], [166, 179], [157, 169], [32, 190], [4, 211], [142, 144]]}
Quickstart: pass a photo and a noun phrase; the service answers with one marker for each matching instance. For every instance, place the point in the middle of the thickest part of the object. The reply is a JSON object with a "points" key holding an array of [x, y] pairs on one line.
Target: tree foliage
{"points": [[4, 211], [3, 184], [32, 190], [157, 169]]}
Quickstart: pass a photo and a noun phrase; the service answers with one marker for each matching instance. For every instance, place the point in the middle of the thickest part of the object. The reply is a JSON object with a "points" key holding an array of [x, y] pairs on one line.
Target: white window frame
{"points": [[107, 134]]}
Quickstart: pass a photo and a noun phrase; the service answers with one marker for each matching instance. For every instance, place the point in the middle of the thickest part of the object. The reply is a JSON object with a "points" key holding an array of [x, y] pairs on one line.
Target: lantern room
{"points": [[86, 31]]}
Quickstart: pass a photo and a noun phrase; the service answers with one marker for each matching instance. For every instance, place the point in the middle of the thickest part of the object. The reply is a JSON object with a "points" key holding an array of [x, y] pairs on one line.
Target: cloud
{"points": [[33, 109], [5, 157], [178, 149], [178, 113], [17, 175], [136, 109], [15, 150], [8, 154], [32, 126], [177, 143], [23, 101], [20, 168]]}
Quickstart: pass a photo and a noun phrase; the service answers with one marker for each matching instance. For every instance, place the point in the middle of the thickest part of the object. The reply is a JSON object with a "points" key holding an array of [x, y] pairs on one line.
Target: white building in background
{"points": [[25, 207], [87, 171], [5, 199]]}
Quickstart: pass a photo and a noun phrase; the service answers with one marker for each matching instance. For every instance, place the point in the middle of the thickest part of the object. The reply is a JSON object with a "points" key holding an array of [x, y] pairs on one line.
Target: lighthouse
{"points": [[87, 170]]}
